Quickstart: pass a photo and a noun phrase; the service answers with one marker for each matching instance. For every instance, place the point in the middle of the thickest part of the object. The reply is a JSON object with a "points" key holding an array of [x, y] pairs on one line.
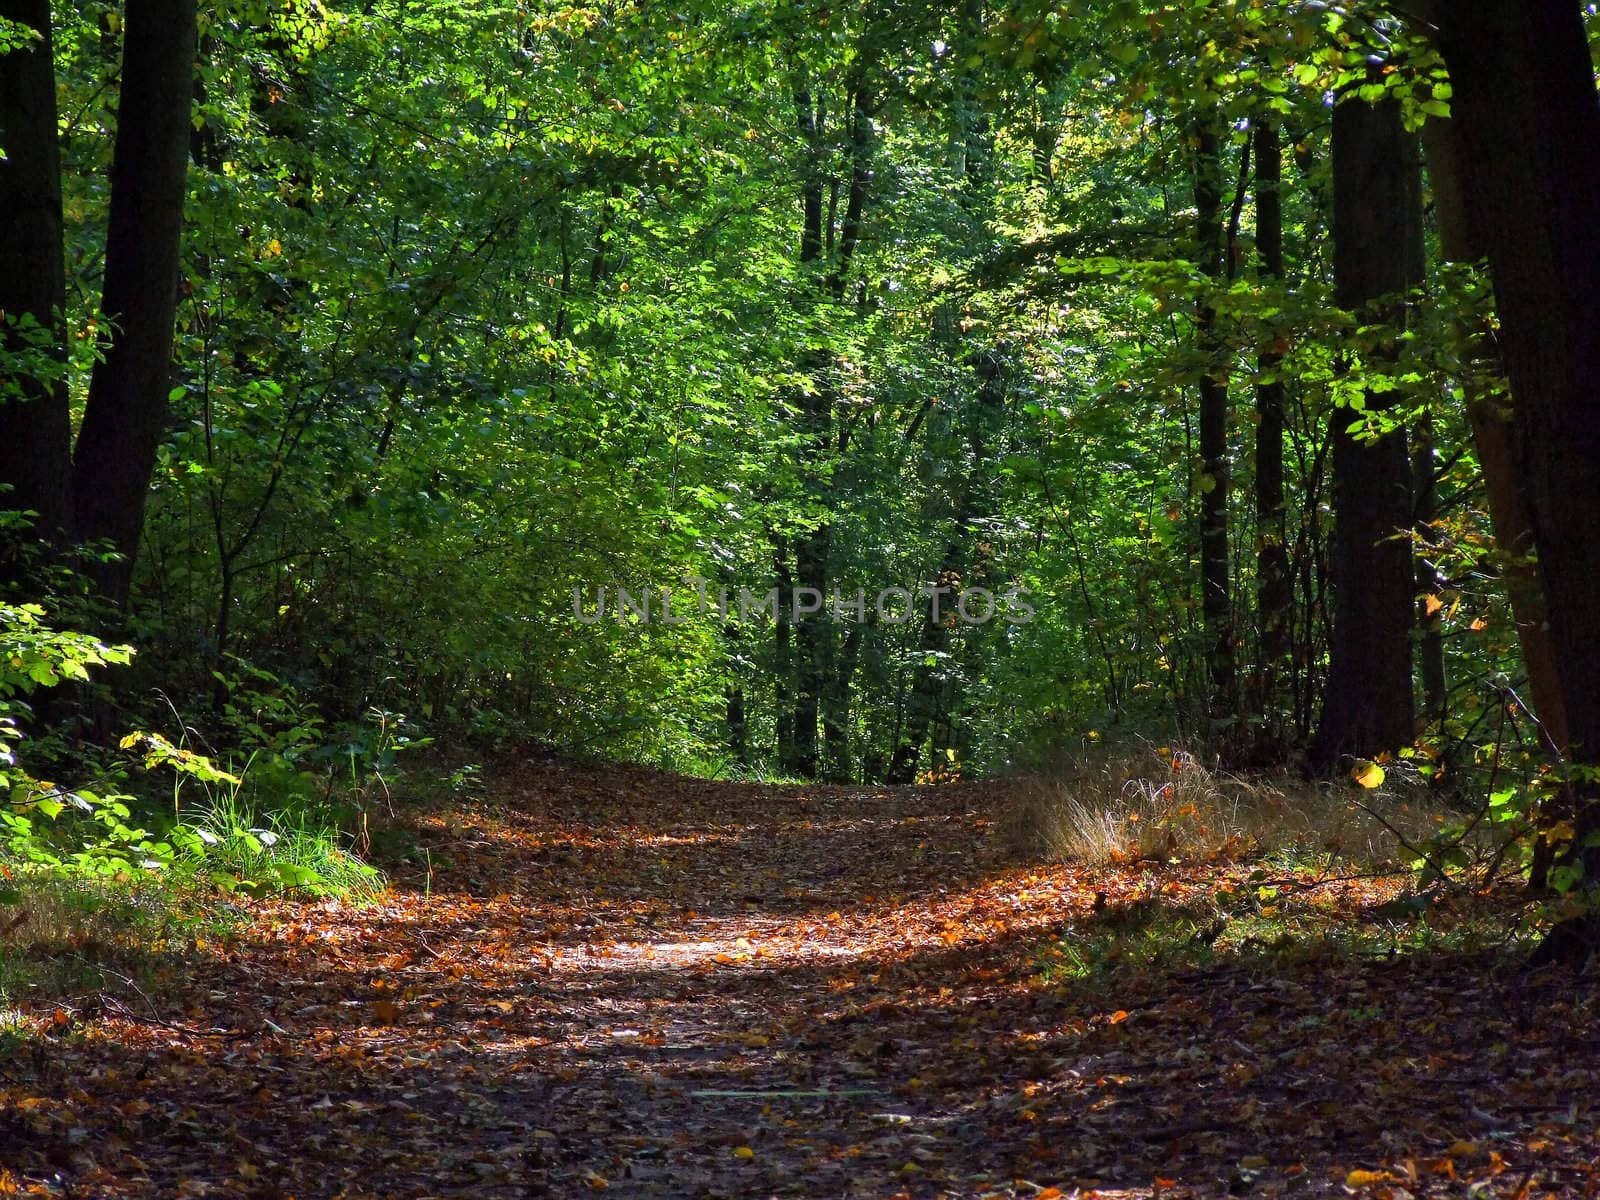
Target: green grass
{"points": [[237, 848]]}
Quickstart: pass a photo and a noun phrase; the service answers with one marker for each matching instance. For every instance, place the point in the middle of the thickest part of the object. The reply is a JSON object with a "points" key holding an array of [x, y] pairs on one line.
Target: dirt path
{"points": [[618, 981]]}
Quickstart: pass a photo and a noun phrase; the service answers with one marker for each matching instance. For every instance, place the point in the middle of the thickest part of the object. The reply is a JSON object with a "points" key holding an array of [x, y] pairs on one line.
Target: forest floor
{"points": [[612, 980]]}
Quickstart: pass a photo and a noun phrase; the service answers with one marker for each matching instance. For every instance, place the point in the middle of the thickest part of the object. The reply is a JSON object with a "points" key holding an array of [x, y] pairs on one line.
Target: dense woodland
{"points": [[853, 394], [1156, 319]]}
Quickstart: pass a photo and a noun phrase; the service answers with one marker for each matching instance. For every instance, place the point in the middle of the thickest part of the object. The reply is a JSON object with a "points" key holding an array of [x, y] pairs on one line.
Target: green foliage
{"points": [[486, 305], [95, 832]]}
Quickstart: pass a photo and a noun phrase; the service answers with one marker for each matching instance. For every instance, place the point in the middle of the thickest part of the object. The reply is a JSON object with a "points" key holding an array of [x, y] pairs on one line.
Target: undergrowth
{"points": [[67, 937], [1165, 805]]}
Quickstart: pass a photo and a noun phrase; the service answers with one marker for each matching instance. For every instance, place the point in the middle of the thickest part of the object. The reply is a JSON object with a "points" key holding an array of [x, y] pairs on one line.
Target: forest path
{"points": [[612, 980]]}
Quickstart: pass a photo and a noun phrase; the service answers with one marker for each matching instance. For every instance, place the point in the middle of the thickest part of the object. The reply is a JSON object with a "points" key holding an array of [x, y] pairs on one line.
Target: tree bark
{"points": [[1369, 707], [783, 655], [35, 426], [126, 411], [1274, 587], [1492, 439], [1216, 577], [1529, 119]]}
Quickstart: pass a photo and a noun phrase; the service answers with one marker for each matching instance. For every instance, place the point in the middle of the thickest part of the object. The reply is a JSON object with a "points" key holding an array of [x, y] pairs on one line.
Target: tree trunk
{"points": [[35, 427], [127, 407], [1274, 588], [813, 645], [1528, 120], [783, 655], [1216, 578], [836, 707], [1377, 235], [926, 681], [1491, 437], [738, 727]]}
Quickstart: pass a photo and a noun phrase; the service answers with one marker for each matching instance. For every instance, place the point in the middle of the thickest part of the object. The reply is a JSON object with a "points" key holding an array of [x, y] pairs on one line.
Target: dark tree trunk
{"points": [[1216, 577], [783, 654], [1377, 233], [836, 707], [738, 727], [1528, 119], [1274, 586], [127, 407], [816, 410], [35, 427], [927, 679], [813, 645], [1492, 438]]}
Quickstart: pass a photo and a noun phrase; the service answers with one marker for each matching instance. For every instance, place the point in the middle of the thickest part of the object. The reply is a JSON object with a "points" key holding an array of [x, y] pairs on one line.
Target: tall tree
{"points": [[1377, 231], [35, 429], [1492, 437], [1528, 116], [1274, 586], [126, 412], [1216, 575]]}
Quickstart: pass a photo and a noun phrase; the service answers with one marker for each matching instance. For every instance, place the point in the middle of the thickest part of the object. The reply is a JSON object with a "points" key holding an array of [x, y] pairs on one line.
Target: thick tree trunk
{"points": [[127, 407], [1274, 587], [1377, 231], [35, 428], [1529, 119], [1491, 436], [1216, 577]]}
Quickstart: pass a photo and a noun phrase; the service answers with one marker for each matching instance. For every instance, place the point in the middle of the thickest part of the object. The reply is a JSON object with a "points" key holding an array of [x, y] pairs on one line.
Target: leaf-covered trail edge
{"points": [[614, 980]]}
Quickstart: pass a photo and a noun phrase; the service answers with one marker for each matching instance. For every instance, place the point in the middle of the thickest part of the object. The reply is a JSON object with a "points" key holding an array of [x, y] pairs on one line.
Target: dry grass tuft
{"points": [[1156, 803]]}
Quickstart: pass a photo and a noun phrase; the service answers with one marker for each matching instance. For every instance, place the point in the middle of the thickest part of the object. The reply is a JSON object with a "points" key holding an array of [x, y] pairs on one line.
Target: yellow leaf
{"points": [[1368, 774], [1360, 1178], [1462, 1149], [744, 1152]]}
